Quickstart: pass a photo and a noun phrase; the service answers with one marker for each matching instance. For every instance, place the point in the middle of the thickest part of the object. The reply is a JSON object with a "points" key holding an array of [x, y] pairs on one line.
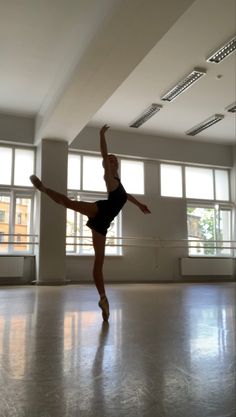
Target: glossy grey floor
{"points": [[168, 351]]}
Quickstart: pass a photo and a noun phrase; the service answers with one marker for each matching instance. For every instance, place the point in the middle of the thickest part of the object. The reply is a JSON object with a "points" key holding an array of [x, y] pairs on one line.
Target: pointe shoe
{"points": [[104, 305], [36, 182]]}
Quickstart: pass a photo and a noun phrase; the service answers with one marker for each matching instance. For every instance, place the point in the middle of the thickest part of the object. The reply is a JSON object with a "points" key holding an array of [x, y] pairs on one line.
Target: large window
{"points": [[16, 199], [86, 182], [194, 182], [209, 218]]}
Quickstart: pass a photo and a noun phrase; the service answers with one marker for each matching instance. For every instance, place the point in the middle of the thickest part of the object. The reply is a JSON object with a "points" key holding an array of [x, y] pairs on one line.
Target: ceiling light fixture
{"points": [[183, 84], [217, 56], [153, 109], [204, 125], [231, 108]]}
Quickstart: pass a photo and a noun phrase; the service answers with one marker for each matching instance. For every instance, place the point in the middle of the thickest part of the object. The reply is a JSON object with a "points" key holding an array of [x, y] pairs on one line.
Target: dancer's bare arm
{"points": [[111, 182], [137, 203]]}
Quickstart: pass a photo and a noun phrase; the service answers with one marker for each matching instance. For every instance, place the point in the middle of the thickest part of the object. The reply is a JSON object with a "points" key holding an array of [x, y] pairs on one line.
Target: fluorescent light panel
{"points": [[204, 125], [184, 84], [231, 108], [224, 51], [153, 109]]}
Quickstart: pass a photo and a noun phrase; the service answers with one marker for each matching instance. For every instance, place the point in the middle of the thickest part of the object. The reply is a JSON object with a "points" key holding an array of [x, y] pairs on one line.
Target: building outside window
{"points": [[2, 216], [1, 237]]}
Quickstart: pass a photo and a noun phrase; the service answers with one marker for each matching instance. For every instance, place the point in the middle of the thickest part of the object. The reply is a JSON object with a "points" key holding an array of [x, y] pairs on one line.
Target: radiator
{"points": [[207, 266], [11, 266]]}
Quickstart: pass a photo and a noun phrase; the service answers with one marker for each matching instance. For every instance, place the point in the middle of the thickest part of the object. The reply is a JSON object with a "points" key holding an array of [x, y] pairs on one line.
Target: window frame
{"points": [[184, 166], [227, 205]]}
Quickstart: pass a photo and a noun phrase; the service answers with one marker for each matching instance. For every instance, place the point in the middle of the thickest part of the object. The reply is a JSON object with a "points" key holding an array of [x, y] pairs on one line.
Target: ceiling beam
{"points": [[120, 44]]}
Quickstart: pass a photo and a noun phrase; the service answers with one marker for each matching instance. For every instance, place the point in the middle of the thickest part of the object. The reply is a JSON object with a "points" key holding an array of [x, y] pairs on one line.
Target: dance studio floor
{"points": [[168, 351]]}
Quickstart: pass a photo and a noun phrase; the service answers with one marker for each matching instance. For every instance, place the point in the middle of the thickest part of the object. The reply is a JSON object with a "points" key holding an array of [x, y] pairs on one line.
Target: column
{"points": [[50, 216]]}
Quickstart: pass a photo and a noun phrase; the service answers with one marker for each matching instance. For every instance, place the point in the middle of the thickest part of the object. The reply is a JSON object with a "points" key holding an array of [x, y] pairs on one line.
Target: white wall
{"points": [[168, 219], [16, 129], [152, 147]]}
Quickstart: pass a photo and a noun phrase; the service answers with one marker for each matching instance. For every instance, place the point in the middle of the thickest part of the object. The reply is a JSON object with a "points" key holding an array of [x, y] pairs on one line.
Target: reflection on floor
{"points": [[168, 351]]}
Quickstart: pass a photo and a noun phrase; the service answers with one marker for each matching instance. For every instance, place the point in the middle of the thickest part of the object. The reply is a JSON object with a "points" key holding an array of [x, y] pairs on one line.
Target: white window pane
{"points": [[5, 165], [73, 182], [24, 167], [132, 176], [171, 181], [199, 183], [222, 184], [93, 174]]}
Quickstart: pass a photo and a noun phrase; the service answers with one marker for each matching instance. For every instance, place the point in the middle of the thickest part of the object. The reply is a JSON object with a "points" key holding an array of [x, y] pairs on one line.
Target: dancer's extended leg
{"points": [[83, 207]]}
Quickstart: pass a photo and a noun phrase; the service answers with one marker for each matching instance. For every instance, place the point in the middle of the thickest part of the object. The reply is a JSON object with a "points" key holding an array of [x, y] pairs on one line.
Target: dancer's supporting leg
{"points": [[90, 210], [99, 248]]}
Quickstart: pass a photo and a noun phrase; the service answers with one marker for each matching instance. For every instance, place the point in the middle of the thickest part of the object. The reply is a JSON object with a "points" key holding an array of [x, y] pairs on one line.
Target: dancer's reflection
{"points": [[99, 369]]}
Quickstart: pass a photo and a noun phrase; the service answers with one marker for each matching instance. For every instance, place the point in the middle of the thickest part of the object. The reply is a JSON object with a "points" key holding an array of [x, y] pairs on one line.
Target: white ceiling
{"points": [[70, 63]]}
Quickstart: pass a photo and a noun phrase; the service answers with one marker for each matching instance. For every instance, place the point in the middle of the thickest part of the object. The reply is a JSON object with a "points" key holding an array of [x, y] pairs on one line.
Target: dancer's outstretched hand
{"points": [[104, 129], [144, 209]]}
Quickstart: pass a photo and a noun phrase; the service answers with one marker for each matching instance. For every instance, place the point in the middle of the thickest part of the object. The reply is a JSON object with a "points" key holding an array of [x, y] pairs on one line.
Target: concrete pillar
{"points": [[51, 167]]}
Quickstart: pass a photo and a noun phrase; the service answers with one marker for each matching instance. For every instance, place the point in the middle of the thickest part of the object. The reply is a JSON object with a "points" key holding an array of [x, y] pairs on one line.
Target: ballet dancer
{"points": [[100, 213]]}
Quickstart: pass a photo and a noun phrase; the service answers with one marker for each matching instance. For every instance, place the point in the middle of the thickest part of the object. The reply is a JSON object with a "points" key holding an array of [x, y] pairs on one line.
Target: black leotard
{"points": [[108, 209]]}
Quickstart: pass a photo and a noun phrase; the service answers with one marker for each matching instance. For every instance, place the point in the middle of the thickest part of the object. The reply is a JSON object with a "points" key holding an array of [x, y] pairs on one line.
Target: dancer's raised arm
{"points": [[110, 162]]}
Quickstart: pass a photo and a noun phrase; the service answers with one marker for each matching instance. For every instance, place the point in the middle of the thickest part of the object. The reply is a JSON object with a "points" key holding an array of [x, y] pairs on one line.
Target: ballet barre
{"points": [[157, 242], [131, 241]]}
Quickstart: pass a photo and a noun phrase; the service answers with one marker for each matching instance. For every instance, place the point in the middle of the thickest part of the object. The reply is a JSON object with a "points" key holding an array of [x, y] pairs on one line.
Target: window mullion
{"points": [[75, 229], [214, 184], [13, 166], [31, 228], [183, 182], [12, 215], [81, 233], [81, 172]]}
